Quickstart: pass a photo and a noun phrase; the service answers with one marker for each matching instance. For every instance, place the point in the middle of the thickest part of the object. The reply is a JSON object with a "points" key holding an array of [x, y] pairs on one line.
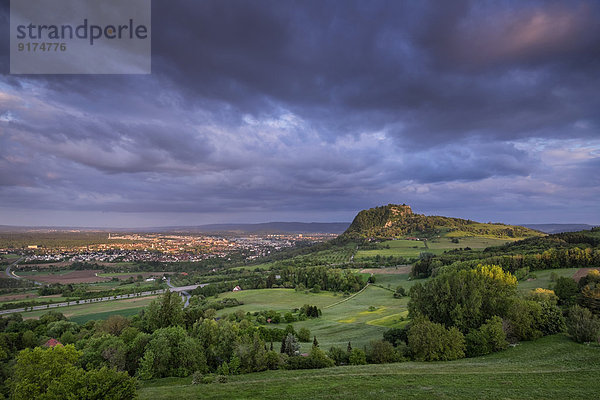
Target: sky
{"points": [[305, 111]]}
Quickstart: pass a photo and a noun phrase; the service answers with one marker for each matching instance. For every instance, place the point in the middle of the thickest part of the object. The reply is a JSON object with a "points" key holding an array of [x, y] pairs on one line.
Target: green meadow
{"points": [[437, 245], [553, 367], [102, 309], [358, 319], [543, 279]]}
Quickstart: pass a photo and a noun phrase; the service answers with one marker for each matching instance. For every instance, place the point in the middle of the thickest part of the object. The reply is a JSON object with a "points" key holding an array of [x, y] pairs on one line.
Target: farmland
{"points": [[553, 367], [437, 245], [358, 319], [85, 312]]}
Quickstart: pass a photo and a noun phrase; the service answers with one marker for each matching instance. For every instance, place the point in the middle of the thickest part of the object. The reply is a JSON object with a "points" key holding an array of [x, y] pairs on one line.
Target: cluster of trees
{"points": [[315, 278], [471, 312], [575, 250]]}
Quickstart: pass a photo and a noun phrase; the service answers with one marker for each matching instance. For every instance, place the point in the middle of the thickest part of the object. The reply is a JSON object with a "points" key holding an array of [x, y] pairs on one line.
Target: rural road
{"points": [[182, 289], [12, 275]]}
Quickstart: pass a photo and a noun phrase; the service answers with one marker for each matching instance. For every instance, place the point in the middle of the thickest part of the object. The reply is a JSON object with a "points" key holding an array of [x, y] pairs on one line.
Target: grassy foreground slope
{"points": [[553, 367]]}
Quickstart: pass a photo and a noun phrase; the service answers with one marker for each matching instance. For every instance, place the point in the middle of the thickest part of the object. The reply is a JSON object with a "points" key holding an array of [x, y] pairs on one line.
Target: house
{"points": [[236, 289], [52, 343]]}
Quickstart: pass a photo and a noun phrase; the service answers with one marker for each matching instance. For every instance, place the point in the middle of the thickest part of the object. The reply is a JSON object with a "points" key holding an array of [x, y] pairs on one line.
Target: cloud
{"points": [[257, 109]]}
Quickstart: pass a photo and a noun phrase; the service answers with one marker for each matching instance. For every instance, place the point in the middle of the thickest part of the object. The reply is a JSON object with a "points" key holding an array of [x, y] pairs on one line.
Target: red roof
{"points": [[52, 343]]}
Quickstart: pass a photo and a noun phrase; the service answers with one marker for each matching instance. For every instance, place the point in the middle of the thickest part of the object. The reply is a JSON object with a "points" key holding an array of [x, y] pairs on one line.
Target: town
{"points": [[147, 247]]}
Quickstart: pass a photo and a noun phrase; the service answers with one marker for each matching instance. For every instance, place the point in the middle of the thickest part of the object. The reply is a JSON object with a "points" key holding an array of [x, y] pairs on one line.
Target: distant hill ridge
{"points": [[395, 220]]}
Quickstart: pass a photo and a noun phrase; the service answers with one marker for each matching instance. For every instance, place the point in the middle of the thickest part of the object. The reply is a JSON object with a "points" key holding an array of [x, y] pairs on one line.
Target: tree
{"points": [[381, 351], [464, 298], [582, 325], [290, 345], [52, 374], [163, 312], [114, 325], [171, 352], [566, 289], [304, 335], [396, 336], [105, 350], [430, 341], [357, 357], [489, 338], [524, 317]]}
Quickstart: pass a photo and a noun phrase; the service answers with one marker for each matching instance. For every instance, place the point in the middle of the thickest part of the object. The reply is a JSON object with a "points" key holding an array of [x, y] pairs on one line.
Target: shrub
{"points": [[273, 360], [430, 341], [524, 318], [551, 320], [582, 325], [221, 379], [304, 335], [489, 338], [400, 292], [357, 357], [396, 335], [542, 296], [566, 289], [381, 352], [198, 378], [338, 355]]}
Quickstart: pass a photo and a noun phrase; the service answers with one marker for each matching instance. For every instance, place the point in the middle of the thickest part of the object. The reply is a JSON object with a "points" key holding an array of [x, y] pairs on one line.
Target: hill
{"points": [[394, 221], [558, 228], [550, 368]]}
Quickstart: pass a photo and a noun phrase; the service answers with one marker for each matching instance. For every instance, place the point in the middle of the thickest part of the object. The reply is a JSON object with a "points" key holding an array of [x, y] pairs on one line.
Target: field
{"points": [[542, 278], [553, 367], [343, 320], [85, 312], [412, 248], [65, 276]]}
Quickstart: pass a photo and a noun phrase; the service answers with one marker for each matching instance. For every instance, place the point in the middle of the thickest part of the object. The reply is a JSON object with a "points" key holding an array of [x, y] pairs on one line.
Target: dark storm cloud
{"points": [[288, 106]]}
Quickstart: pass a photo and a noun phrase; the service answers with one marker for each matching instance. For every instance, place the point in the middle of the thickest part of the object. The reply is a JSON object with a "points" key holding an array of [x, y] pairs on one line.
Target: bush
{"points": [[338, 355], [430, 341], [221, 379], [396, 336], [381, 352], [400, 292], [304, 335], [357, 357], [552, 320], [582, 325], [524, 318], [199, 378], [273, 360], [566, 289], [489, 338]]}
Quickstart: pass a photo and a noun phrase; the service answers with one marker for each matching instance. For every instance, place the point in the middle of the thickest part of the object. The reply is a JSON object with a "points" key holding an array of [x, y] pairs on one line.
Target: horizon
{"points": [[276, 111]]}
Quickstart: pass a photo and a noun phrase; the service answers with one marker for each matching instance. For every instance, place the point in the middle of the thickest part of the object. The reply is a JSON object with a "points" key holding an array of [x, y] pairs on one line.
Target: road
{"points": [[85, 301], [182, 289]]}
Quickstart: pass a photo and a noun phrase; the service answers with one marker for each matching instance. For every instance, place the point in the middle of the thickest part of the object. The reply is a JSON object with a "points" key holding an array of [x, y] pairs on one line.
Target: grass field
{"points": [[412, 248], [404, 248], [445, 243], [102, 310], [542, 278], [350, 320], [553, 367]]}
